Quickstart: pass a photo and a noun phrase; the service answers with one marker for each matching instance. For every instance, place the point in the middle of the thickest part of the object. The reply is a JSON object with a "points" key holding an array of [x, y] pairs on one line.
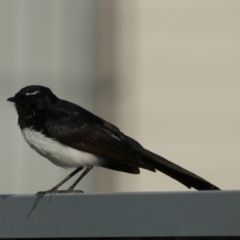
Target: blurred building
{"points": [[165, 72]]}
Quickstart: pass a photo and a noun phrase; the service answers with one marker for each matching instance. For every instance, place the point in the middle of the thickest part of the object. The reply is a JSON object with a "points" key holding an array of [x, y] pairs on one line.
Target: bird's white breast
{"points": [[58, 153]]}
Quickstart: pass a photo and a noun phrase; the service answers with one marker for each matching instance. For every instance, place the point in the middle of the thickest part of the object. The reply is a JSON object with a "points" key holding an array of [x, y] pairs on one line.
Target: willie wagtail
{"points": [[72, 137]]}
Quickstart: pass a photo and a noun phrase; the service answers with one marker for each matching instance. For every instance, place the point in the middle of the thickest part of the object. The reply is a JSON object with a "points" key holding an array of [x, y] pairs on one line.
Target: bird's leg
{"points": [[54, 189], [70, 189]]}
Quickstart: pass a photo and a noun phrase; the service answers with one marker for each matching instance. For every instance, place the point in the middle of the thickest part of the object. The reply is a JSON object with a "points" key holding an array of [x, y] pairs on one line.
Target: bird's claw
{"points": [[55, 191]]}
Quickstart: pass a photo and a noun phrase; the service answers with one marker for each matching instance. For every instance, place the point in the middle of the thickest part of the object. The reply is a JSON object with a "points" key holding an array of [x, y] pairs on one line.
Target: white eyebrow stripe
{"points": [[32, 93]]}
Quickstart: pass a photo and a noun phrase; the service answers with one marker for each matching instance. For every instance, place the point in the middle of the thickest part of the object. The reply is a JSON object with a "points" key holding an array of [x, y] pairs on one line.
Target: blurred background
{"points": [[167, 73]]}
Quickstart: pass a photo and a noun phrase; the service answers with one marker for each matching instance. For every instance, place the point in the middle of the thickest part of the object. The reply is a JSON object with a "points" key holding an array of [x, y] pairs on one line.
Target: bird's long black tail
{"points": [[180, 174]]}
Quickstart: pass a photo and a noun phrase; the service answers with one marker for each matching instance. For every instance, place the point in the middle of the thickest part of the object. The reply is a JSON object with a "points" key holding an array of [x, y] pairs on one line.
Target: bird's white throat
{"points": [[59, 154]]}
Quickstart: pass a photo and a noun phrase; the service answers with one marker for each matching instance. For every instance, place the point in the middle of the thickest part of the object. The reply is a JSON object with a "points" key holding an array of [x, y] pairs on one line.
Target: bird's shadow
{"points": [[35, 203]]}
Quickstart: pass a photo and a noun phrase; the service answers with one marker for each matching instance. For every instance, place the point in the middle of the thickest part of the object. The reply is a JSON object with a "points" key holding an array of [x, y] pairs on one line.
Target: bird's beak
{"points": [[12, 99]]}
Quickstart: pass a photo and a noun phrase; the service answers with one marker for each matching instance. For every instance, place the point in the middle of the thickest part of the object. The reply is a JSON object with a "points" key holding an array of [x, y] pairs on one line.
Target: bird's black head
{"points": [[32, 100]]}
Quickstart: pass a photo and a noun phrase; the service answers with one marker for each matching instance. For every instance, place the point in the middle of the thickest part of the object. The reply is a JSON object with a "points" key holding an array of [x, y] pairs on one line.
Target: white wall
{"points": [[178, 80]]}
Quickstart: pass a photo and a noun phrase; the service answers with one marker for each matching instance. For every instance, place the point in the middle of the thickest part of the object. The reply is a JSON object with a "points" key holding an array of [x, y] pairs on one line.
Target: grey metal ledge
{"points": [[149, 214]]}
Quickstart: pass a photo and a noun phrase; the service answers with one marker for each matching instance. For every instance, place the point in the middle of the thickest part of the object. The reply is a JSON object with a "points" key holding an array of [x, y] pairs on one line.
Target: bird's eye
{"points": [[33, 98]]}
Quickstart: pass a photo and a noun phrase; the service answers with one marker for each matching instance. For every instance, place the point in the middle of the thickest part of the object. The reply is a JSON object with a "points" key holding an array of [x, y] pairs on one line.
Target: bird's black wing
{"points": [[80, 129]]}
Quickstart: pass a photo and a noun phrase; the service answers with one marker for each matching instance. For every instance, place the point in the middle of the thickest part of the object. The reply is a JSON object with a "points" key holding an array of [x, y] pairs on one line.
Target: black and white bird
{"points": [[72, 137]]}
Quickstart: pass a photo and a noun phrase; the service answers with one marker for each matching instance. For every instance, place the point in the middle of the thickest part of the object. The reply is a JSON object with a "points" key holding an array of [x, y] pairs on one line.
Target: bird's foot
{"points": [[42, 193], [55, 191], [70, 191]]}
